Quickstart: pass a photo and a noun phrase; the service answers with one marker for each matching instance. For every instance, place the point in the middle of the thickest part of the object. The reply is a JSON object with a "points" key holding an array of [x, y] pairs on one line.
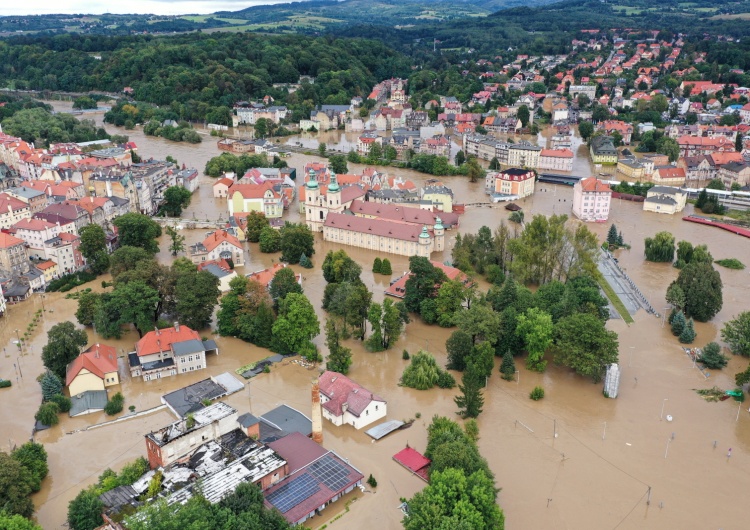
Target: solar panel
{"points": [[291, 494], [330, 472]]}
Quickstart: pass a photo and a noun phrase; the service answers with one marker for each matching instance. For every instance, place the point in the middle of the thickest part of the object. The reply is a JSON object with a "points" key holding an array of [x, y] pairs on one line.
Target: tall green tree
{"points": [[15, 487], [480, 322], [736, 333], [93, 247], [586, 129], [138, 230], [581, 342], [283, 283], [176, 199], [448, 302], [270, 240], [296, 239], [64, 343], [508, 366], [136, 302], [17, 522], [127, 258], [524, 115], [535, 327], [337, 163], [702, 286], [459, 347], [51, 385], [338, 267], [688, 333], [471, 400], [296, 325], [339, 357], [387, 323], [660, 248], [256, 222], [612, 235], [85, 511], [423, 282], [196, 296], [177, 241]]}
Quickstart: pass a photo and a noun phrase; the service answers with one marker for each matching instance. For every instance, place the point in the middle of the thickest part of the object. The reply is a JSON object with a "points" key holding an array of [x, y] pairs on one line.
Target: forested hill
{"points": [[549, 28], [202, 71]]}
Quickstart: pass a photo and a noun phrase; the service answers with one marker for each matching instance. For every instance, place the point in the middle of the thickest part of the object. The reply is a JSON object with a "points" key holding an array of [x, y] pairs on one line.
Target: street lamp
{"points": [[518, 377], [661, 416]]}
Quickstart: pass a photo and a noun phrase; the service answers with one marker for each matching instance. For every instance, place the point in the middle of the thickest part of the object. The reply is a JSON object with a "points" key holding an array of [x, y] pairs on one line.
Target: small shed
{"points": [[414, 461]]}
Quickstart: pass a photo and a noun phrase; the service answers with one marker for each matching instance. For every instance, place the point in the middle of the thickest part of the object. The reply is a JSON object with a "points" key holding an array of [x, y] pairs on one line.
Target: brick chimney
{"points": [[317, 420]]}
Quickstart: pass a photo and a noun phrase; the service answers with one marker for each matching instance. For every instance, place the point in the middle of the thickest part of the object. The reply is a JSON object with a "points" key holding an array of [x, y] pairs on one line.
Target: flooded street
{"points": [[597, 472]]}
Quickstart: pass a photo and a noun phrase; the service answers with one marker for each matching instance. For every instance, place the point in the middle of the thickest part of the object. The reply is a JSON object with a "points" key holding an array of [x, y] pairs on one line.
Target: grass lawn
{"points": [[612, 295]]}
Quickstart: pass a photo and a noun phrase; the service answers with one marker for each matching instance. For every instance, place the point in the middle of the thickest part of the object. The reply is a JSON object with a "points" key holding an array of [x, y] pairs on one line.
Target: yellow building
{"points": [[441, 197], [94, 369], [603, 151], [48, 269], [630, 167]]}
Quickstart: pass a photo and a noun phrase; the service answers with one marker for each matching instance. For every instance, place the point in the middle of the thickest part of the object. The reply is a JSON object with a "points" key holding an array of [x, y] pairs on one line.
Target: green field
{"points": [[203, 18]]}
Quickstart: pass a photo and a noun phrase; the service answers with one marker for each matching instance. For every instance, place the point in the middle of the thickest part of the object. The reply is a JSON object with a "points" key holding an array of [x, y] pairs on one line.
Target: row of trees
{"points": [[39, 125], [229, 163], [293, 240]]}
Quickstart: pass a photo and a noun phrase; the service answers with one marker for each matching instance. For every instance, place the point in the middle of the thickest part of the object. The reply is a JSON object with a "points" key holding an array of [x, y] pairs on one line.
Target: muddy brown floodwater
{"points": [[595, 474]]}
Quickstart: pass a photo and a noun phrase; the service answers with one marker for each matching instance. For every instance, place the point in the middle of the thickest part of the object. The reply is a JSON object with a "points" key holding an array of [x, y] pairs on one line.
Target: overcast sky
{"points": [[158, 7]]}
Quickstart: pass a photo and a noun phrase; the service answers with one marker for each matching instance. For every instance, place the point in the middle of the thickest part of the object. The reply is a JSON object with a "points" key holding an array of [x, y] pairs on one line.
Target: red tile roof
{"points": [[594, 185], [296, 451], [162, 339], [340, 390], [46, 265], [252, 191], [6, 202], [265, 276], [218, 237], [671, 172], [7, 240], [402, 213], [33, 224], [379, 227], [226, 181], [557, 153], [99, 359]]}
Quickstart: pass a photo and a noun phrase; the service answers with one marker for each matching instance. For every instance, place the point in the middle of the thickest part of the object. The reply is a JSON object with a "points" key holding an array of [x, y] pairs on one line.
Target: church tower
{"points": [[425, 244], [333, 197], [314, 215], [439, 232]]}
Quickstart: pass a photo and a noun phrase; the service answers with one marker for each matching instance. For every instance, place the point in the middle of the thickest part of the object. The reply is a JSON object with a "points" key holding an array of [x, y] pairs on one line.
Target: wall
{"points": [[84, 381]]}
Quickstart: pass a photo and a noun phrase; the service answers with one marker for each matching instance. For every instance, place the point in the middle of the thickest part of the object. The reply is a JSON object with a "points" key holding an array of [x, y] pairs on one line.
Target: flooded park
{"points": [[572, 460]]}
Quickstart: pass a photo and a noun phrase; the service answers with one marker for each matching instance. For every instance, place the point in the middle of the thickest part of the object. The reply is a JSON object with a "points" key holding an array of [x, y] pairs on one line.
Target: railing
{"points": [[643, 299]]}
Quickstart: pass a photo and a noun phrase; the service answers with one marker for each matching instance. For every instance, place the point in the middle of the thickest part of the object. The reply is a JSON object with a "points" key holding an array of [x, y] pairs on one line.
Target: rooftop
{"points": [[202, 417], [342, 391], [162, 339], [189, 399]]}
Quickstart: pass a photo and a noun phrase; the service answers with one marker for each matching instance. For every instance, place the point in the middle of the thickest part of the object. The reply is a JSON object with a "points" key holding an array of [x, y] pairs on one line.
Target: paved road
{"points": [[620, 285]]}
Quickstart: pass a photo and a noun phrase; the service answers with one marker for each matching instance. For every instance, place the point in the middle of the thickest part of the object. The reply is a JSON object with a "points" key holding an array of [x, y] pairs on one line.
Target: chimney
{"points": [[177, 327], [317, 421]]}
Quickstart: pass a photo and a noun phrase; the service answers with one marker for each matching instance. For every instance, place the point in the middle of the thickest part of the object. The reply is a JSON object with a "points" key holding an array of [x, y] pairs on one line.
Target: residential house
{"points": [[603, 151], [556, 159], [255, 198], [523, 154], [668, 175], [735, 173], [63, 250], [591, 200], [665, 199], [560, 112], [48, 268], [397, 288], [12, 210], [266, 276], [35, 232], [98, 209], [219, 245], [438, 145], [221, 270], [94, 369], [346, 402], [513, 181], [630, 167], [440, 198], [170, 351], [697, 168], [221, 186], [68, 212], [188, 179], [36, 199], [612, 126], [14, 260], [745, 113]]}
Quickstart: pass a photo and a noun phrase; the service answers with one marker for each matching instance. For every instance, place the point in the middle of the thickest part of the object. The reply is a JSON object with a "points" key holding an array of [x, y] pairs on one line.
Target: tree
{"points": [[256, 222], [296, 239], [84, 102], [377, 265], [322, 147], [524, 115], [64, 343], [460, 158], [494, 164], [459, 347], [177, 241], [660, 248], [586, 129], [93, 247], [600, 113], [688, 333], [17, 522], [51, 385], [736, 333], [126, 259], [455, 500], [305, 262], [375, 152], [508, 366], [711, 357], [423, 282], [87, 302], [338, 267], [668, 146], [535, 328], [583, 343], [261, 128], [137, 304], [283, 283], [296, 325], [448, 302], [675, 296], [85, 511], [47, 414], [479, 321], [337, 163], [339, 357], [742, 378], [387, 322], [385, 267], [33, 457], [138, 230], [176, 199], [196, 295], [15, 487], [612, 235], [270, 240], [423, 373], [678, 323], [471, 401], [703, 291]]}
